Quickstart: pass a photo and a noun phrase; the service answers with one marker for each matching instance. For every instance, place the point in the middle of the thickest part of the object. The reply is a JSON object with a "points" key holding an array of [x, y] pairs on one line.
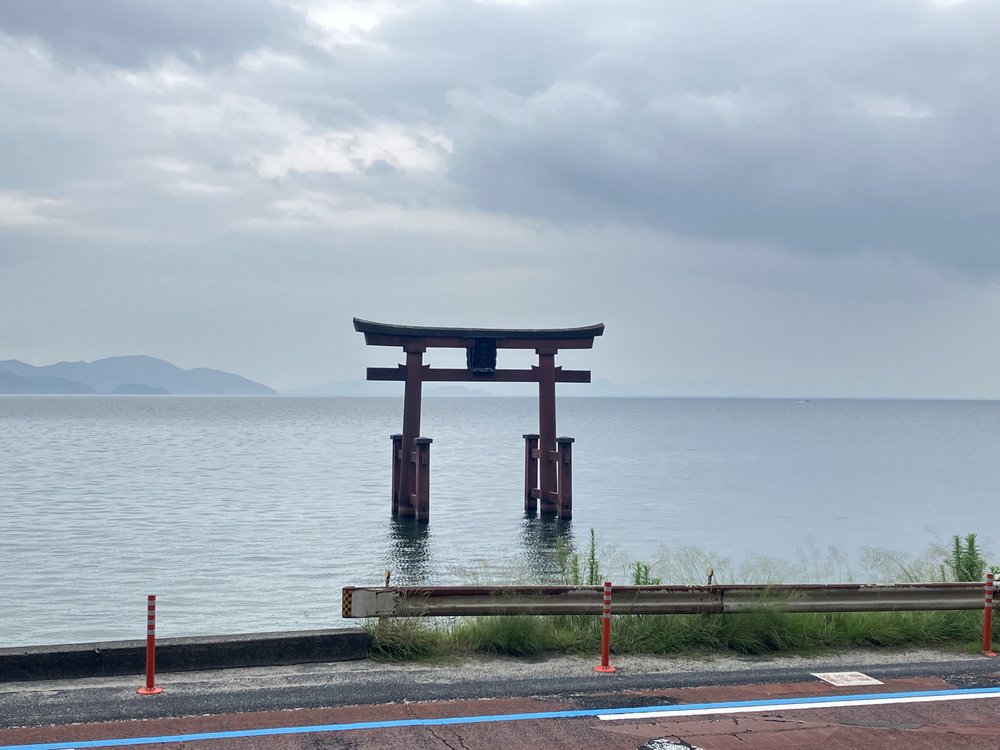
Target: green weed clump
{"points": [[569, 564], [966, 561], [641, 576]]}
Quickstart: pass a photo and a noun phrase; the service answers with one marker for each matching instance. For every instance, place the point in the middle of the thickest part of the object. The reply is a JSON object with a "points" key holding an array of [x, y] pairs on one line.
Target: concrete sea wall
{"points": [[182, 654]]}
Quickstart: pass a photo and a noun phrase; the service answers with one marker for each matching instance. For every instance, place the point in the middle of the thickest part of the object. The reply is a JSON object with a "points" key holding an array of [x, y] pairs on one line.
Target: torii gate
{"points": [[547, 459]]}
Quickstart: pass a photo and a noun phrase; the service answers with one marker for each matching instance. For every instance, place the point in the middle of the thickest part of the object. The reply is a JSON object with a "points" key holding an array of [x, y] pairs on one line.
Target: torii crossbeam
{"points": [[547, 471]]}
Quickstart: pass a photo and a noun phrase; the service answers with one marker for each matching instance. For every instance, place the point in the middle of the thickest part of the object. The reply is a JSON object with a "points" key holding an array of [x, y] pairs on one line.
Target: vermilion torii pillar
{"points": [[548, 462]]}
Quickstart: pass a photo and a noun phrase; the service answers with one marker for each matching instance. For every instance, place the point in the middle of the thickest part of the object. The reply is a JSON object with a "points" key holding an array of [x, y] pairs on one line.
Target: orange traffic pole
{"points": [[605, 665], [988, 617], [150, 688]]}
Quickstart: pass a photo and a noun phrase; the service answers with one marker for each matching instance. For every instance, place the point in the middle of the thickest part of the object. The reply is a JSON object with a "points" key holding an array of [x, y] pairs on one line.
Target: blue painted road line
{"points": [[681, 708]]}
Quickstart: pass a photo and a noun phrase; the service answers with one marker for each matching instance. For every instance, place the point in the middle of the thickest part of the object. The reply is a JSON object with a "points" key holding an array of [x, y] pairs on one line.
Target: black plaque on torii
{"points": [[547, 459]]}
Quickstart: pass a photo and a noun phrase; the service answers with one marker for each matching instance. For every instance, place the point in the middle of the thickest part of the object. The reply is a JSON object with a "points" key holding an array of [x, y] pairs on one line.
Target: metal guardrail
{"points": [[449, 601]]}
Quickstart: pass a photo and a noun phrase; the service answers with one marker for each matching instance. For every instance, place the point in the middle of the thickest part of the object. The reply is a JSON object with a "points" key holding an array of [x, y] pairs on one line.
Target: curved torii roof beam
{"points": [[387, 334]]}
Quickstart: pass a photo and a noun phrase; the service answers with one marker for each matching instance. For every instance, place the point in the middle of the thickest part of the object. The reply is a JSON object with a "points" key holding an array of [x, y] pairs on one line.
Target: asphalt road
{"points": [[345, 693]]}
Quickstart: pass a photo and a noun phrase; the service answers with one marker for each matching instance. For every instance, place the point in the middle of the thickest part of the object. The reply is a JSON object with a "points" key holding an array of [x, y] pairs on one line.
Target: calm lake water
{"points": [[250, 514]]}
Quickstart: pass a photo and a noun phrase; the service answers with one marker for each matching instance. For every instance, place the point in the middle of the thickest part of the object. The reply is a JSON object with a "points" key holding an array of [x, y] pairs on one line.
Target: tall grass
{"points": [[517, 635], [406, 639], [750, 633]]}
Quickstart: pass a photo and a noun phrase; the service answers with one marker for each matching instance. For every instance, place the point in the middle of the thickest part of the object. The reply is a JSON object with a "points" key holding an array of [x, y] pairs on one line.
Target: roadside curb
{"points": [[110, 658]]}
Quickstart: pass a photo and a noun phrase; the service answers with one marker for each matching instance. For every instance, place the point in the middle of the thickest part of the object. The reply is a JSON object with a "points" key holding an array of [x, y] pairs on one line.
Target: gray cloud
{"points": [[137, 33], [825, 127], [853, 136]]}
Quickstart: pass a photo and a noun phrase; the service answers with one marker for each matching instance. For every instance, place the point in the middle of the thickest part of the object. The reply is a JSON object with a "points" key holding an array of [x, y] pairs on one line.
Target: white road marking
{"points": [[847, 679], [791, 705]]}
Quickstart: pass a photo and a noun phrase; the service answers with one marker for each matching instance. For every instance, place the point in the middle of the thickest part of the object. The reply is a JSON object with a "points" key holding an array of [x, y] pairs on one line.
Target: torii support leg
{"points": [[565, 474], [422, 486], [406, 508], [531, 472], [547, 430], [397, 470]]}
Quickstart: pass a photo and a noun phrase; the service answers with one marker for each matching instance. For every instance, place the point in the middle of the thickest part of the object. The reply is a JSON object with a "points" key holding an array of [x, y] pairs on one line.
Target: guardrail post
{"points": [[564, 474], [605, 665], [150, 687], [531, 472], [988, 617]]}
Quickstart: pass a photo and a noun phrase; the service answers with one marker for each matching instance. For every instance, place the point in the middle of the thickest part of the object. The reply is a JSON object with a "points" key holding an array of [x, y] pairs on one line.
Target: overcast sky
{"points": [[757, 197]]}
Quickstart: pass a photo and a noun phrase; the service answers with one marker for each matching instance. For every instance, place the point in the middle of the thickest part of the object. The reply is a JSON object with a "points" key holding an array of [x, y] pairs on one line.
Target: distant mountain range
{"points": [[123, 375]]}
